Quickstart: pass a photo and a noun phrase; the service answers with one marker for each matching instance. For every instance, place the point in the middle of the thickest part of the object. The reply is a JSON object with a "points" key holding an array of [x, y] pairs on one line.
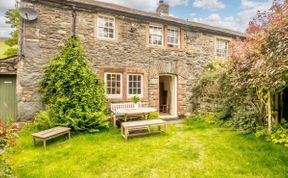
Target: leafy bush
{"points": [[8, 135], [73, 93], [244, 118], [154, 115], [8, 138], [5, 169], [279, 133]]}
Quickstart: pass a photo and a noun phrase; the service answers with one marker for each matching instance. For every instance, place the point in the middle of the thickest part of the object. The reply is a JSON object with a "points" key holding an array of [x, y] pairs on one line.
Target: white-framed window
{"points": [[156, 35], [105, 27], [222, 48], [113, 85], [173, 37], [134, 84]]}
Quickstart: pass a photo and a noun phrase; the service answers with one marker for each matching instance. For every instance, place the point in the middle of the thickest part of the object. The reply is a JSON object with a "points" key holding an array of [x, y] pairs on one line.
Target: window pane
{"points": [[105, 27], [134, 84], [173, 37], [222, 48], [155, 35], [113, 84]]}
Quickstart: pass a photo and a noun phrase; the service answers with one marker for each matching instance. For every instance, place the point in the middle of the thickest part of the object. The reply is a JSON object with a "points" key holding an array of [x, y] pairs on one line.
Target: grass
{"points": [[194, 149], [3, 48]]}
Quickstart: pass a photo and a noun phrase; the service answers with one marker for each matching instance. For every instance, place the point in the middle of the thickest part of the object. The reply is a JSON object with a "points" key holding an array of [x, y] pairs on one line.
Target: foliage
{"points": [[153, 115], [279, 134], [5, 169], [135, 99], [14, 20], [73, 93], [232, 106], [242, 86], [244, 118], [8, 135]]}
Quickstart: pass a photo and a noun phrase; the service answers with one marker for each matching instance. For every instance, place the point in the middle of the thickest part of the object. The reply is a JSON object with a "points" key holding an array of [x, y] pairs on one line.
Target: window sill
{"points": [[164, 47]]}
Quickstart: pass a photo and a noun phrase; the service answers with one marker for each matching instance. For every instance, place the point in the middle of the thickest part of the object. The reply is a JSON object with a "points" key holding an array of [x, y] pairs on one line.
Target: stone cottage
{"points": [[153, 55]]}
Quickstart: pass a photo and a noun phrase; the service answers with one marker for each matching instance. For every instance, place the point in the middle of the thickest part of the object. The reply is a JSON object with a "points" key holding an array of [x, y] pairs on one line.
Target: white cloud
{"points": [[240, 21], [216, 20], [4, 28], [6, 4], [178, 2], [250, 9], [192, 14], [209, 4]]}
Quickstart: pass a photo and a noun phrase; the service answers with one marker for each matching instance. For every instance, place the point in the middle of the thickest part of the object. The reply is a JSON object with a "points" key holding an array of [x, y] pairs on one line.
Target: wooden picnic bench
{"points": [[129, 129], [51, 133], [128, 110]]}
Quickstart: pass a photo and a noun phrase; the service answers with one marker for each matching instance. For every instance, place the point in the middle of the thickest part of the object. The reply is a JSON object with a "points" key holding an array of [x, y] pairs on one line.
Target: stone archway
{"points": [[167, 68]]}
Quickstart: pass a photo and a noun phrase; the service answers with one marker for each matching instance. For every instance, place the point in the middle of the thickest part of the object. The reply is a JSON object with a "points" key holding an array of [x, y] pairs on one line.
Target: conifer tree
{"points": [[73, 93]]}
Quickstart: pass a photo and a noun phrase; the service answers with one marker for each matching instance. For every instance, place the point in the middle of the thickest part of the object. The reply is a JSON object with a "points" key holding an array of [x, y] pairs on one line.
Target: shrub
{"points": [[73, 93], [244, 118], [279, 133], [5, 169], [154, 115], [8, 135]]}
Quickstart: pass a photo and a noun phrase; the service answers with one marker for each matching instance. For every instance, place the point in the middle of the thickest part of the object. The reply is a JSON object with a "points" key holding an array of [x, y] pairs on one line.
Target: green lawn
{"points": [[194, 149], [3, 48]]}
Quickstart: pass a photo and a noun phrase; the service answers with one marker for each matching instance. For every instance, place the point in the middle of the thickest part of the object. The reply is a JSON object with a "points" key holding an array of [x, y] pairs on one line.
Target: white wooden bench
{"points": [[129, 129], [116, 106]]}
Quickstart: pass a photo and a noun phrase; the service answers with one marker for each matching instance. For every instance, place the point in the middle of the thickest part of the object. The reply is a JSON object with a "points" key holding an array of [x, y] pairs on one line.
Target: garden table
{"points": [[132, 112]]}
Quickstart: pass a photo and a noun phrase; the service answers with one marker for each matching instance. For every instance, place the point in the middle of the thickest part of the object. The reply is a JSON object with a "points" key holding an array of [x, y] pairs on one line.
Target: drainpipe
{"points": [[74, 20]]}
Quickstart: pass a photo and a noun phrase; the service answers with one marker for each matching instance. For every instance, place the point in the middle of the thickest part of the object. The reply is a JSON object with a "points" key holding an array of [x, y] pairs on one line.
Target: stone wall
{"points": [[130, 50], [9, 65]]}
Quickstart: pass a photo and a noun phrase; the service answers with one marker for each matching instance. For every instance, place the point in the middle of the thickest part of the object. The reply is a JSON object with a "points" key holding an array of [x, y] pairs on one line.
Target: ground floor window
{"points": [[135, 84], [113, 85]]}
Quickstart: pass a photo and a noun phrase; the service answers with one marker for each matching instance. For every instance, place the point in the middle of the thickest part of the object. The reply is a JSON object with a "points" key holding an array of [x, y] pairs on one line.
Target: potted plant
{"points": [[136, 100]]}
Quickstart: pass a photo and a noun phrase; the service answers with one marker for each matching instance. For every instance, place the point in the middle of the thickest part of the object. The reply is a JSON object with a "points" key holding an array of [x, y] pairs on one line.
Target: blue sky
{"points": [[231, 14]]}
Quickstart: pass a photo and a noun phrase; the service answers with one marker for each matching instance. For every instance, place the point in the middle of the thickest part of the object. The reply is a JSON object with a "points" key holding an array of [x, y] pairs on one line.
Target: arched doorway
{"points": [[168, 96]]}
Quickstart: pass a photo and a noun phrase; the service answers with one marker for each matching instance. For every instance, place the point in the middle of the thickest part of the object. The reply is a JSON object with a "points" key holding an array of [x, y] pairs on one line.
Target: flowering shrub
{"points": [[8, 135]]}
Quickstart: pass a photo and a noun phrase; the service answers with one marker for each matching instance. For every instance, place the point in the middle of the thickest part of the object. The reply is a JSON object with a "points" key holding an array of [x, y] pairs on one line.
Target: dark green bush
{"points": [[244, 118], [73, 93]]}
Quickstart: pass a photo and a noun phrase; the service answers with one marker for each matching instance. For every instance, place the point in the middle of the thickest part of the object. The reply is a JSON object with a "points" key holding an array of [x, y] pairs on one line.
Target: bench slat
{"points": [[51, 132]]}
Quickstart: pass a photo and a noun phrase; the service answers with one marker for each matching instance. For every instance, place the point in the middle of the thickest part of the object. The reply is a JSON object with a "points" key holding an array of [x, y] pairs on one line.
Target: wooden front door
{"points": [[8, 104]]}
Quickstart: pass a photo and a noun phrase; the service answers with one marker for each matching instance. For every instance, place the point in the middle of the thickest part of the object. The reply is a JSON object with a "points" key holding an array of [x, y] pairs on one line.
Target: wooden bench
{"points": [[127, 128], [51, 133]]}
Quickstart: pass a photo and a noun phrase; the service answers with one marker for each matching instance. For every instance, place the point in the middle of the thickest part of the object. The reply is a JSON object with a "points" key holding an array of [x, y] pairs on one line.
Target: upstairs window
{"points": [[105, 27], [173, 37], [222, 48], [135, 84], [113, 85], [156, 35]]}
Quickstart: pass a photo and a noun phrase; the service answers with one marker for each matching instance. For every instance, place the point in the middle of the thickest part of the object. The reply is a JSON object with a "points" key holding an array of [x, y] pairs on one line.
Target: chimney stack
{"points": [[163, 8]]}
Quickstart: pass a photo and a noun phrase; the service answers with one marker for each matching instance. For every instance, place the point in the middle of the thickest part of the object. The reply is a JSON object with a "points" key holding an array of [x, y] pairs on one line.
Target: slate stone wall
{"points": [[45, 36]]}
